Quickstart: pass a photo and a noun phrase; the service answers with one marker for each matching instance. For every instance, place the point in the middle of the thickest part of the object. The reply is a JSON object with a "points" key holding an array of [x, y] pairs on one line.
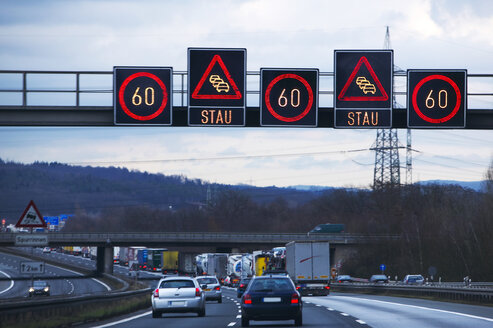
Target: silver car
{"points": [[212, 289], [178, 294]]}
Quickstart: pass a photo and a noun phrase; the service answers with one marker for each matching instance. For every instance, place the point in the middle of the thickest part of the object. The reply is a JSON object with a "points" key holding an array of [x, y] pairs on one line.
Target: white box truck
{"points": [[308, 265]]}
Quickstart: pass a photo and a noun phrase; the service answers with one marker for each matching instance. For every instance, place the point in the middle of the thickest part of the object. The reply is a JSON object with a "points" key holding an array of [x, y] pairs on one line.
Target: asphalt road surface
{"points": [[337, 310], [61, 281]]}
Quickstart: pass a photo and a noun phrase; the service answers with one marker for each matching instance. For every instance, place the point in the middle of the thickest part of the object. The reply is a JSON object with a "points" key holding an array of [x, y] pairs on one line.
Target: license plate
{"points": [[177, 303], [207, 290], [272, 299]]}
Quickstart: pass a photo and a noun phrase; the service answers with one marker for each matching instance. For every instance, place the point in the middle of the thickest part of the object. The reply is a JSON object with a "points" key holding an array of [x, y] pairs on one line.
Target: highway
{"points": [[70, 283], [337, 310]]}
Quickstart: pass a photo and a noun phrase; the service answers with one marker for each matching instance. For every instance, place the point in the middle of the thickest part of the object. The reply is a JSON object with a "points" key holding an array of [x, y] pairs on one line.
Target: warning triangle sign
{"points": [[31, 218], [363, 84], [220, 84]]}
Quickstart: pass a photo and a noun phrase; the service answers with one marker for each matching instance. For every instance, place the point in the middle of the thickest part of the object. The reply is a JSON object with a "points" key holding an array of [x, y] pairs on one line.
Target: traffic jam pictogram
{"points": [[143, 95], [363, 88], [289, 97], [436, 98], [216, 81]]}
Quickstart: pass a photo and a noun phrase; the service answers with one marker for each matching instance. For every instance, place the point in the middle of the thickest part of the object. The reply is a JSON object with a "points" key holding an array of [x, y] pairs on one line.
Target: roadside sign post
{"points": [[363, 82], [382, 268], [31, 218], [216, 87], [436, 98], [289, 97]]}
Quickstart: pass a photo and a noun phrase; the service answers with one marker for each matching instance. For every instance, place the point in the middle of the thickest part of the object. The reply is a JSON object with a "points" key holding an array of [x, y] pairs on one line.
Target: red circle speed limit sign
{"points": [[437, 98], [289, 97], [142, 95]]}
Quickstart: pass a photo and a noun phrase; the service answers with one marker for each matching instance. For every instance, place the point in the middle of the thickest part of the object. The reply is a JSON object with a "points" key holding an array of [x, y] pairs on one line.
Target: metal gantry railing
{"points": [[483, 88]]}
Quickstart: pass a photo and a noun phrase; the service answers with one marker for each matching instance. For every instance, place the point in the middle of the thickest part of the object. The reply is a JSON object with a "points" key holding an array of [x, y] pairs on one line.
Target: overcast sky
{"points": [[97, 35]]}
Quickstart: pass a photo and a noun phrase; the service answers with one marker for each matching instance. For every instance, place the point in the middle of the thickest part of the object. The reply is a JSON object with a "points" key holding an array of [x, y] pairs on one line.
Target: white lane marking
{"points": [[318, 305], [80, 274], [124, 320], [11, 283], [102, 283], [238, 316], [424, 308], [361, 322], [72, 286], [345, 314], [330, 309], [231, 324]]}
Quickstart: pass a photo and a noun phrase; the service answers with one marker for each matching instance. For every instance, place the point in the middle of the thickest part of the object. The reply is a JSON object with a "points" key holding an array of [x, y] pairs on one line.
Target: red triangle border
{"points": [[218, 59], [383, 97]]}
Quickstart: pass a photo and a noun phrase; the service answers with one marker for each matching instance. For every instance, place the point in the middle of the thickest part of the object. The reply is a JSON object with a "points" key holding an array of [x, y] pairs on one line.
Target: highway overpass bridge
{"points": [[197, 242]]}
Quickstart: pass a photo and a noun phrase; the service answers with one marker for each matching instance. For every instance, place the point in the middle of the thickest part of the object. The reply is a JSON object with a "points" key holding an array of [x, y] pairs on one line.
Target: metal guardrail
{"points": [[464, 293], [195, 238]]}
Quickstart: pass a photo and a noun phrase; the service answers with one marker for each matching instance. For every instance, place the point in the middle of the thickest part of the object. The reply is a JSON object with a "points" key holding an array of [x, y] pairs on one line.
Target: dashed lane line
{"points": [[231, 324], [361, 322]]}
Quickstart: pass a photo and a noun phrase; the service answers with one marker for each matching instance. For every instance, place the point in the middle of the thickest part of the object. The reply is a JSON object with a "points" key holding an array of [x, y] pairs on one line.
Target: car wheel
{"points": [[201, 313], [244, 321], [298, 321], [156, 314]]}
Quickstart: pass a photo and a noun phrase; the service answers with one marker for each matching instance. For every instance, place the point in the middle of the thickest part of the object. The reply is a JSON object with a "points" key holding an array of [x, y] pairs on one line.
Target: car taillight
{"points": [[295, 298], [327, 287], [242, 285], [156, 293], [247, 299], [197, 292], [298, 287], [217, 288]]}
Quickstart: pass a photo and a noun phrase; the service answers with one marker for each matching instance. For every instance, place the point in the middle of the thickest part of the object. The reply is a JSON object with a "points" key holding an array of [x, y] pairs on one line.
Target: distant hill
{"points": [[474, 185], [60, 188]]}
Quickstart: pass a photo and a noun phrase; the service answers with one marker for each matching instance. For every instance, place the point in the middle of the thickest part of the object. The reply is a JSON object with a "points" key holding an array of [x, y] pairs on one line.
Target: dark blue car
{"points": [[242, 287], [272, 297]]}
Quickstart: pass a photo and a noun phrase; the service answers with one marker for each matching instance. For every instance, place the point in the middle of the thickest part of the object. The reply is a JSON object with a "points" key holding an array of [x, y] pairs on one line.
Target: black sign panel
{"points": [[363, 83], [289, 97], [216, 84], [436, 98], [142, 95]]}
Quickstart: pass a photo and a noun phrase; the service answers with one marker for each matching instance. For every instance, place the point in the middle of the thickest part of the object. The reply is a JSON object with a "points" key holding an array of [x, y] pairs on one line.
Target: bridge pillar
{"points": [[104, 261]]}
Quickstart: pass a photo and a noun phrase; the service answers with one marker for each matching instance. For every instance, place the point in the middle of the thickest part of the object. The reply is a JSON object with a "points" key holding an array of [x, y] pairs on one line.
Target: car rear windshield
{"points": [[207, 281], [177, 284], [272, 284], [39, 284]]}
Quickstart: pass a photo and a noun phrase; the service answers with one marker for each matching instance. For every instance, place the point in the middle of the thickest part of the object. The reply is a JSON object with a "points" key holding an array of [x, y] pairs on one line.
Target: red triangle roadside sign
{"points": [[31, 218], [216, 59], [383, 97]]}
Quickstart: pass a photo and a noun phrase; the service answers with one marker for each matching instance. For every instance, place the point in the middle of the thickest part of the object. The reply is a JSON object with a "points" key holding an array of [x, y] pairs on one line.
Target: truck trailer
{"points": [[308, 265]]}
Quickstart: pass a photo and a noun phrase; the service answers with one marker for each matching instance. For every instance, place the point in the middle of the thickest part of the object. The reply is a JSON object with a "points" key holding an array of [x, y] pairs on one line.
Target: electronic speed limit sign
{"points": [[289, 97], [436, 98], [142, 95]]}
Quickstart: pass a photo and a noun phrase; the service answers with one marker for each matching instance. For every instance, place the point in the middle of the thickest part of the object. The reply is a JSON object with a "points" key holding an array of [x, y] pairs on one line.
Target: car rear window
{"points": [[39, 284], [207, 281], [274, 284], [177, 284]]}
